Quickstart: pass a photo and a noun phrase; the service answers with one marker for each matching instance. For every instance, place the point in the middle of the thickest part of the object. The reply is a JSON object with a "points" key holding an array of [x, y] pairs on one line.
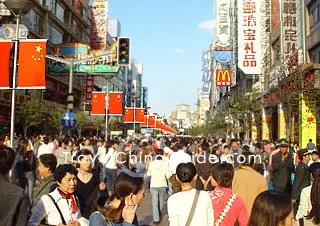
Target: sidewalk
{"points": [[145, 212]]}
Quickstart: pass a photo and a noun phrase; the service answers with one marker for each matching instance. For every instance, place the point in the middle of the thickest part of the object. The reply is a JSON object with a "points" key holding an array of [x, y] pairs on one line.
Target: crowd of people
{"points": [[69, 181]]}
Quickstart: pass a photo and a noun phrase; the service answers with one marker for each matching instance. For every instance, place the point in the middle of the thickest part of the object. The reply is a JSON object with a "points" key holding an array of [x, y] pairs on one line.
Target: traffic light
{"points": [[123, 51]]}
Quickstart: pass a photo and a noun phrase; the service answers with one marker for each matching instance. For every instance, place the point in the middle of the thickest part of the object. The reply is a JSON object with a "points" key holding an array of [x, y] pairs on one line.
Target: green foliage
{"points": [[30, 113], [55, 117], [82, 120]]}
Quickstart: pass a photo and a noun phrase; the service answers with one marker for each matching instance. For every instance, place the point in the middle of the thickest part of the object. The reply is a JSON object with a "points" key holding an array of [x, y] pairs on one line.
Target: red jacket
{"points": [[238, 211]]}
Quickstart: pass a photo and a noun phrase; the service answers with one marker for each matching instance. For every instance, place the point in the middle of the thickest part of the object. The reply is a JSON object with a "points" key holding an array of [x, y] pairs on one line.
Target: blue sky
{"points": [[167, 37]]}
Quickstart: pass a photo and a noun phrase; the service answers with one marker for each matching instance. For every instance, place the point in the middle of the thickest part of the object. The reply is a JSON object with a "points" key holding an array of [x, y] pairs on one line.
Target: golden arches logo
{"points": [[223, 77]]}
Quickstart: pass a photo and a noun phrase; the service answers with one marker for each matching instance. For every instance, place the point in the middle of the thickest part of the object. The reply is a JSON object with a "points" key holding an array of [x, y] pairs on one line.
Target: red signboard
{"points": [[223, 77]]}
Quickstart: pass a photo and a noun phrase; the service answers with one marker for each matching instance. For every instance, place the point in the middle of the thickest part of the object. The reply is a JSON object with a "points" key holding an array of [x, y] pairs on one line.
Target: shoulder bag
{"points": [[225, 210], [193, 208]]}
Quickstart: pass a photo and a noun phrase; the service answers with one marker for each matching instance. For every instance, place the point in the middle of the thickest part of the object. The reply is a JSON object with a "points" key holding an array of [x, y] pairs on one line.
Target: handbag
{"points": [[193, 207]]}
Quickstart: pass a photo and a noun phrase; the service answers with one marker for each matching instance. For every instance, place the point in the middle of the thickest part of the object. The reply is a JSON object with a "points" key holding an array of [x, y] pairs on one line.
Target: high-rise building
{"points": [[114, 28]]}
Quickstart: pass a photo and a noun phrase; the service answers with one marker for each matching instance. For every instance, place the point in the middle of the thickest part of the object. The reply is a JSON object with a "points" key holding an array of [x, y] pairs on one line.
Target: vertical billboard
{"points": [[307, 121], [99, 24], [223, 23], [249, 28], [282, 133], [289, 33], [275, 14]]}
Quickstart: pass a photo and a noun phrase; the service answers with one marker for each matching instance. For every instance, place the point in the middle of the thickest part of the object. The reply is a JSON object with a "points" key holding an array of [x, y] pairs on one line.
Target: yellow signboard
{"points": [[307, 121], [266, 125], [281, 123]]}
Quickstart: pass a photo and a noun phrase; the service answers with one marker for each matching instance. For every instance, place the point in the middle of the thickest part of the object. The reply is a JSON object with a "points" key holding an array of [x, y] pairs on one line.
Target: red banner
{"points": [[151, 121], [139, 115], [223, 77], [115, 103], [128, 115], [98, 103], [145, 122], [5, 47], [32, 60]]}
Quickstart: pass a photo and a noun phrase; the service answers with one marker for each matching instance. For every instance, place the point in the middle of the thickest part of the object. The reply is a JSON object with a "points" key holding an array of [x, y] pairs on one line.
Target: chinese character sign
{"points": [[99, 24], [223, 23], [249, 46], [289, 35]]}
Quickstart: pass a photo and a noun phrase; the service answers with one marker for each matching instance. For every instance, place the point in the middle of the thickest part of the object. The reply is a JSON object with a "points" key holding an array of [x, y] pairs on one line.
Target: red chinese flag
{"points": [[115, 103], [32, 62], [5, 47], [158, 125], [128, 115], [152, 121], [139, 116], [98, 103], [145, 121]]}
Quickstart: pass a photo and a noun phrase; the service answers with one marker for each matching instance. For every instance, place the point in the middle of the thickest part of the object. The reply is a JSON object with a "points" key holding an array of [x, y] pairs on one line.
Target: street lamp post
{"points": [[17, 8]]}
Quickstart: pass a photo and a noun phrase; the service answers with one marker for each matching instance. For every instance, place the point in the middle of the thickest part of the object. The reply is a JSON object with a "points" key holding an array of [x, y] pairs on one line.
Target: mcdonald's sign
{"points": [[223, 77]]}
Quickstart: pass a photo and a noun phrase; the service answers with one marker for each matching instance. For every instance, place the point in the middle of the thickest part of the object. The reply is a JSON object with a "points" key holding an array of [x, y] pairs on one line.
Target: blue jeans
{"points": [[29, 186], [110, 176], [157, 195]]}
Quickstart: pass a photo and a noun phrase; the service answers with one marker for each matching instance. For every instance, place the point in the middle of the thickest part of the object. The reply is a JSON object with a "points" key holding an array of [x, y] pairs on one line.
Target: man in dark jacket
{"points": [[302, 178], [282, 166], [46, 165], [13, 204]]}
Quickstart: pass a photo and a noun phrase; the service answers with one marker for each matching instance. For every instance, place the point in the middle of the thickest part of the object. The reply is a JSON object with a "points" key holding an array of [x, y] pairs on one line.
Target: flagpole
{"points": [[107, 109], [14, 78], [134, 115]]}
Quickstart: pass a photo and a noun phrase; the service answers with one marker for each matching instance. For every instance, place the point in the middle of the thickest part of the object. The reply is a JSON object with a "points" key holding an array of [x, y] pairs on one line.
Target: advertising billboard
{"points": [[223, 23], [249, 45], [223, 77], [99, 24]]}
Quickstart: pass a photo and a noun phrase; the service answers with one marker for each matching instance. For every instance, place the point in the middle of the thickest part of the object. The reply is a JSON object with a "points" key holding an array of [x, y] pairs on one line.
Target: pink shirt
{"points": [[220, 197]]}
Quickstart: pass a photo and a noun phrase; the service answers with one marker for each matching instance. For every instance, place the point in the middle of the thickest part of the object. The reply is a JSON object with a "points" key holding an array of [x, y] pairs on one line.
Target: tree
{"points": [[55, 117], [99, 124], [81, 121], [30, 113]]}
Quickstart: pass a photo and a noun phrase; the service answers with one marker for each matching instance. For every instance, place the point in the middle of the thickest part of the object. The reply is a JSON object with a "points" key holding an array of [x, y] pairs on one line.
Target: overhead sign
{"points": [[223, 77], [68, 120], [223, 23], [249, 28], [222, 56], [90, 69]]}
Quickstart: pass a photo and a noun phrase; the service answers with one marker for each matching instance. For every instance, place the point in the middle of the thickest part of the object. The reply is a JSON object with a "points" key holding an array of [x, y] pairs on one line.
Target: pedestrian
{"points": [[88, 185], [247, 183], [308, 209], [282, 168], [271, 208], [190, 206], [311, 146], [228, 208], [226, 156], [13, 204], [129, 194], [47, 164], [302, 178], [44, 148], [175, 159], [60, 206], [160, 174], [315, 157]]}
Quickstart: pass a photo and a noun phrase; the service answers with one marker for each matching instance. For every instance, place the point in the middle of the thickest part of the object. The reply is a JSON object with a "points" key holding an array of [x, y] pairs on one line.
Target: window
{"points": [[54, 36], [34, 22], [50, 4], [315, 16], [59, 12]]}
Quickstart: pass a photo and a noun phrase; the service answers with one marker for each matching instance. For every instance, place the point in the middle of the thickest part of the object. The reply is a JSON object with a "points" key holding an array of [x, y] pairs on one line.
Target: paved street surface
{"points": [[145, 212]]}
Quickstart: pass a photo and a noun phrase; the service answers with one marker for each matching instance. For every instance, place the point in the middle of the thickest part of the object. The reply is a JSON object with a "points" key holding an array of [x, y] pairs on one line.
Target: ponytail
{"points": [[112, 214], [315, 195]]}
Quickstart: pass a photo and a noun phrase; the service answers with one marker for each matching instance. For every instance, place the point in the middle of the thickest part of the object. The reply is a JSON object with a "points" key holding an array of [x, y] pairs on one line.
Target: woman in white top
{"points": [[60, 207], [179, 204], [309, 205]]}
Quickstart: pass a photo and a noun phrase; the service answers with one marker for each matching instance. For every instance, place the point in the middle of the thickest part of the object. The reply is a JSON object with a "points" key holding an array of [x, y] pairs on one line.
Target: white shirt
{"points": [[44, 149], [179, 206], [45, 208], [111, 159], [305, 203], [159, 172], [176, 158], [102, 155]]}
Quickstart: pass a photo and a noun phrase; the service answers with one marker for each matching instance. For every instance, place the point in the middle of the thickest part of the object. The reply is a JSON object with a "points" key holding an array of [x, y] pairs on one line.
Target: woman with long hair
{"points": [[271, 208], [129, 193]]}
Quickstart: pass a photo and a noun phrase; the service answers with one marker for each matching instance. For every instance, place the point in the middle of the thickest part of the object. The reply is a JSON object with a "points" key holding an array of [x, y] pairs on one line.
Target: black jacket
{"points": [[301, 180], [13, 204], [282, 170]]}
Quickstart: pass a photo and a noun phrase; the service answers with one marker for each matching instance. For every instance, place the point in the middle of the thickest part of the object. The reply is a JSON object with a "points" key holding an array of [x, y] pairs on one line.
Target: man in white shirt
{"points": [[160, 173], [110, 166], [44, 148], [175, 159]]}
